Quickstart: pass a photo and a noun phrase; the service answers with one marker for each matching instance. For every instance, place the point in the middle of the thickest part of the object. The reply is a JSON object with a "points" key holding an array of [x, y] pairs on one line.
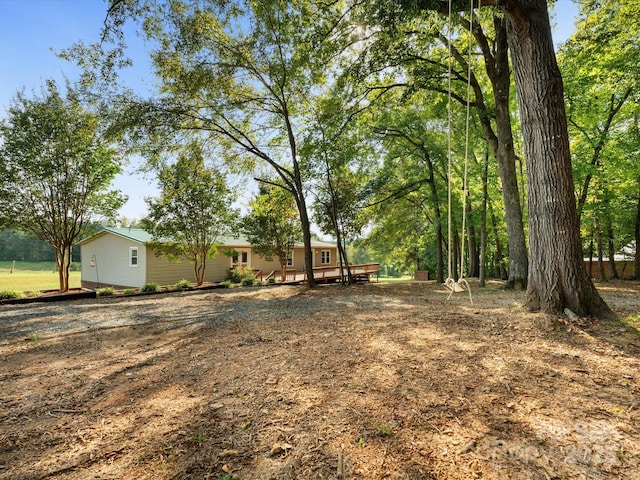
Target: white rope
{"points": [[449, 155], [461, 284]]}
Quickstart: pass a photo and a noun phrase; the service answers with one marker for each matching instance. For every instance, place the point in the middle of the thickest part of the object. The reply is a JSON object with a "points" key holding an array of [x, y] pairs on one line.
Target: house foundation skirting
{"points": [[95, 285]]}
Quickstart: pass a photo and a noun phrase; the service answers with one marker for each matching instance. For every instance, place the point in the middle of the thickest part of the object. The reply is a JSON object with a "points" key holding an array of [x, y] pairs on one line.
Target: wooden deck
{"points": [[361, 273]]}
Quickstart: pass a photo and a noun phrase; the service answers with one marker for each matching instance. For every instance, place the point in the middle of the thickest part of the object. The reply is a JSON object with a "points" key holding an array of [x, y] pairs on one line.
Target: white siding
{"points": [[112, 262]]}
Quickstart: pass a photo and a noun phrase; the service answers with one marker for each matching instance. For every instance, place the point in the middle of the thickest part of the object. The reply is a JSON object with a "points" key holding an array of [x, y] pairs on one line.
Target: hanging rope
{"points": [[461, 284]]}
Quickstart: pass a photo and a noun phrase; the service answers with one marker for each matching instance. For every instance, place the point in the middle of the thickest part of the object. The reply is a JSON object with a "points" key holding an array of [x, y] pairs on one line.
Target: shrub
{"points": [[129, 291], [106, 291], [271, 280], [239, 274], [226, 283], [247, 282], [149, 287], [74, 267], [182, 284], [7, 294]]}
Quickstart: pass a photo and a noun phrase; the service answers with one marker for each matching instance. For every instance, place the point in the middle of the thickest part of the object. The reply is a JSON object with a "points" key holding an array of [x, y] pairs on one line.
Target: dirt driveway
{"points": [[368, 382]]}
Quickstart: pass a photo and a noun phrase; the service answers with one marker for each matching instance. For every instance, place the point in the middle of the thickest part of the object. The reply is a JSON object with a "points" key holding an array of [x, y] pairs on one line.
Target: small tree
{"points": [[273, 225], [192, 212], [56, 168]]}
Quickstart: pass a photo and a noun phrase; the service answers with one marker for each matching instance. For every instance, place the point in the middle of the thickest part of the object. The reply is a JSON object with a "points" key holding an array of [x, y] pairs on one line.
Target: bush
{"points": [[7, 294], [149, 287], [239, 274], [226, 284], [247, 282], [103, 292], [182, 284], [74, 267], [129, 291], [271, 280]]}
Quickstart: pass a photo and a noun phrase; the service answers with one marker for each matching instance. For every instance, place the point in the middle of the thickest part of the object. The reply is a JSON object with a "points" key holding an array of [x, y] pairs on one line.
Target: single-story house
{"points": [[122, 258]]}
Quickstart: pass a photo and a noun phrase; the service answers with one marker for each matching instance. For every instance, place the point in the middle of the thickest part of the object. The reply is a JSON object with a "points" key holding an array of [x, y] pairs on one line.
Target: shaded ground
{"points": [[373, 381]]}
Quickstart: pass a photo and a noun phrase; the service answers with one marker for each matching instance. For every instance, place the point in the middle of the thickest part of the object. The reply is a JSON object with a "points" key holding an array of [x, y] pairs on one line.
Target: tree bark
{"points": [[473, 268], [613, 271], [497, 68], [636, 271], [483, 222], [602, 274], [63, 261], [306, 237], [500, 270], [557, 277], [438, 215]]}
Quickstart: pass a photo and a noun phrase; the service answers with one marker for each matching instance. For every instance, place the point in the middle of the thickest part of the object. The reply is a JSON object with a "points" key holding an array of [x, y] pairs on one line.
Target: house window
{"points": [[325, 257], [133, 256], [240, 259], [290, 259]]}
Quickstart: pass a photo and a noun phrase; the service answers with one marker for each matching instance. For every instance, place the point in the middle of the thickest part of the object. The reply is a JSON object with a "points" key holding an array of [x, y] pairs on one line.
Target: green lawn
{"points": [[33, 277], [403, 278]]}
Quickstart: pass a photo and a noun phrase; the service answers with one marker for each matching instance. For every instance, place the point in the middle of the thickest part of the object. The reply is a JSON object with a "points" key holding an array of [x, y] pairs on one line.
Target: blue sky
{"points": [[32, 30]]}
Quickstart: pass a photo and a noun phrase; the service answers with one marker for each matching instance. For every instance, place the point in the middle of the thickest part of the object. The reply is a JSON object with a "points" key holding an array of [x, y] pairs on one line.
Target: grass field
{"points": [[403, 278], [33, 276]]}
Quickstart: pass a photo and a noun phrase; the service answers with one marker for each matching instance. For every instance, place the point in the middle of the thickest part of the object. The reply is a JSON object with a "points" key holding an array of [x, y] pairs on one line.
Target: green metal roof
{"points": [[136, 234], [142, 236]]}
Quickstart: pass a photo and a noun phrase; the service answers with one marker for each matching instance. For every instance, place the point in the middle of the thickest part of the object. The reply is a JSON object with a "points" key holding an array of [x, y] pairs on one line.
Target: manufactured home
{"points": [[122, 258]]}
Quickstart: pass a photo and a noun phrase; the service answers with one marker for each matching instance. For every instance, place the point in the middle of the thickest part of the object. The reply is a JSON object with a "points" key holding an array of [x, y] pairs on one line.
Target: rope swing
{"points": [[461, 284]]}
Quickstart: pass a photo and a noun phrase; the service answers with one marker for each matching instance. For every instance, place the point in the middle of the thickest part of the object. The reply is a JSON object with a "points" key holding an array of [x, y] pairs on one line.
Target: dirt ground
{"points": [[366, 382]]}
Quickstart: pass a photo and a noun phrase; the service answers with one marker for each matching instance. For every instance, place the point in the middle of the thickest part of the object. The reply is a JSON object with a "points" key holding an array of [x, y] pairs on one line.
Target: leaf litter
{"points": [[372, 381]]}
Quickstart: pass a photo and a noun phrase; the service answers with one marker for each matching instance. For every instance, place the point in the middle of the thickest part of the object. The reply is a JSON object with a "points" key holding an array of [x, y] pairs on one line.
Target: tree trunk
{"points": [[557, 277], [63, 261], [483, 222], [200, 264], [636, 271], [305, 224], [497, 67], [600, 250], [500, 268], [473, 269], [613, 272], [591, 256], [438, 217]]}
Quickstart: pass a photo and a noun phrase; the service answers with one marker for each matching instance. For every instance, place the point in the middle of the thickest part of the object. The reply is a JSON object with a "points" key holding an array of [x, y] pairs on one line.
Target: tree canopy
{"points": [[346, 105], [56, 169], [273, 225], [193, 211]]}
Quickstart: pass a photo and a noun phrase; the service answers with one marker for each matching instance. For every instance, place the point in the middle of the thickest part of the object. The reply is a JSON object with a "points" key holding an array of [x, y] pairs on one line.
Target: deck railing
{"points": [[332, 272]]}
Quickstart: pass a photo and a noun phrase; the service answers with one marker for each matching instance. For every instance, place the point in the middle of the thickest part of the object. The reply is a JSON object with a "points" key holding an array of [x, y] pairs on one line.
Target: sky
{"points": [[31, 31]]}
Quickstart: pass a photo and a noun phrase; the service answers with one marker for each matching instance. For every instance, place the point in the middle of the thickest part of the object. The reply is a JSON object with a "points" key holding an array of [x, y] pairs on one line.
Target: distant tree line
{"points": [[22, 247]]}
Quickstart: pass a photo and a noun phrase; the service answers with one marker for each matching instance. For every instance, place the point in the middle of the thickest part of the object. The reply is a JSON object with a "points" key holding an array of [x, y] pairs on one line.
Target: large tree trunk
{"points": [[636, 272], [306, 238], [305, 224], [557, 277]]}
